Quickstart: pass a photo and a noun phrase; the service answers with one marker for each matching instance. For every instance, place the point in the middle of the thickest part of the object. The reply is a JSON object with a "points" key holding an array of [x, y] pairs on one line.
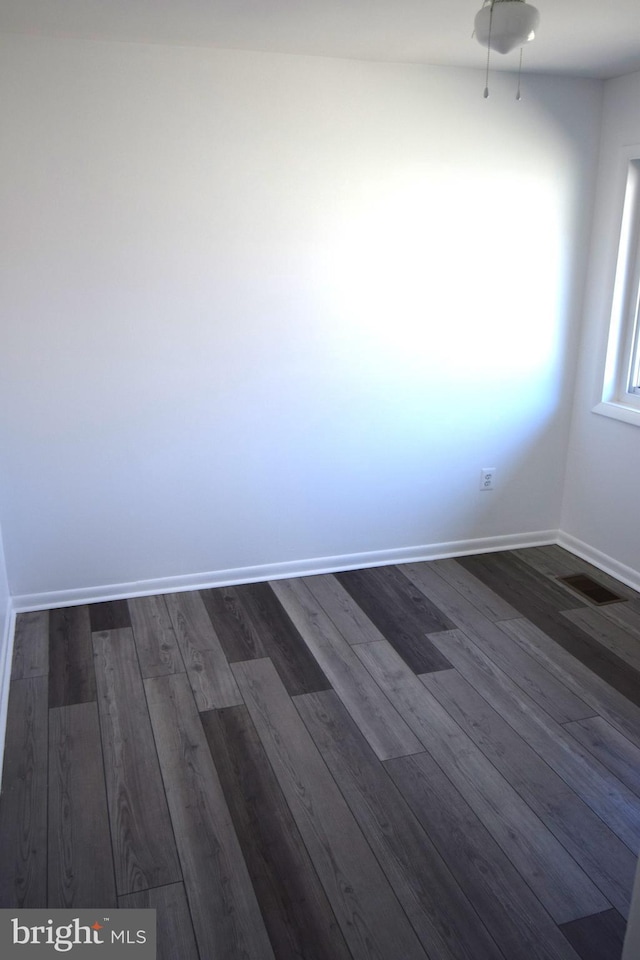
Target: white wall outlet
{"points": [[487, 478]]}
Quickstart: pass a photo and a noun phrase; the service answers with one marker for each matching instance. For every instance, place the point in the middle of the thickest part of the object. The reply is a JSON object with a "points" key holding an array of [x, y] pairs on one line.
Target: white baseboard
{"points": [[279, 571], [6, 653], [601, 560]]}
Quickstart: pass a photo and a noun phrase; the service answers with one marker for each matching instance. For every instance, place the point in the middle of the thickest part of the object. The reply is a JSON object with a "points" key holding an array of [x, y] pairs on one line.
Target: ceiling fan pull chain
{"points": [[486, 82], [518, 94]]}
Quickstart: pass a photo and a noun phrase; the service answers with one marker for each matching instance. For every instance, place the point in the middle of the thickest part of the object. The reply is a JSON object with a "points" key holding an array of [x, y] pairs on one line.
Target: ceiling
{"points": [[580, 37]]}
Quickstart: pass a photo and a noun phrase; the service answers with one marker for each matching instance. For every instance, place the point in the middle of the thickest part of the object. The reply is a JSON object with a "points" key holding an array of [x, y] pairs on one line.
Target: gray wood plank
{"points": [[544, 688], [31, 645], [601, 854], [175, 939], [609, 703], [155, 637], [238, 637], [296, 912], [626, 615], [348, 618], [225, 913], [371, 919], [608, 797], [554, 561], [209, 673], [144, 852], [71, 673], [23, 802], [80, 859], [551, 872], [109, 615], [515, 916], [608, 633], [384, 729], [444, 919], [599, 937], [613, 750], [488, 603]]}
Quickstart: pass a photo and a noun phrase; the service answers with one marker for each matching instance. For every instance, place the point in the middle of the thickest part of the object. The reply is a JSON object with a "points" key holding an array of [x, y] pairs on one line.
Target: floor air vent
{"points": [[591, 589]]}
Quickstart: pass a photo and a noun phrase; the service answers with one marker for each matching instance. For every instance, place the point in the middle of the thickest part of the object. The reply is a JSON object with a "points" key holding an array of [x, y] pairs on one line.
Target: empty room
{"points": [[319, 459]]}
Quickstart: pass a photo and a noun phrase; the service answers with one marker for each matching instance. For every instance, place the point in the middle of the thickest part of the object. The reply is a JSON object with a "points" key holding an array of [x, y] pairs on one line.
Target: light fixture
{"points": [[503, 25]]}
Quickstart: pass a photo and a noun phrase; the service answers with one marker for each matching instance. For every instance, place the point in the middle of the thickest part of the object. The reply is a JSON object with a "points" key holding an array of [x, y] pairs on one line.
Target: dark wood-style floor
{"points": [[433, 760]]}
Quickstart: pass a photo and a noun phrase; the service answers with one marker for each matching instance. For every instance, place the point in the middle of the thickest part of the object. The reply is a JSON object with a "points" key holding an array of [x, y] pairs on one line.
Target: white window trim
{"points": [[617, 399]]}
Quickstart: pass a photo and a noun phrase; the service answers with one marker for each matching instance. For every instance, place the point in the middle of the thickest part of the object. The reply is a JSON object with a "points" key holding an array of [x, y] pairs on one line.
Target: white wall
{"points": [[265, 308], [601, 499]]}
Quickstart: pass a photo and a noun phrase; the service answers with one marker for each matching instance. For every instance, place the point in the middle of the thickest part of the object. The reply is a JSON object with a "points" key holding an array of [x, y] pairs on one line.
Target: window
{"points": [[621, 389]]}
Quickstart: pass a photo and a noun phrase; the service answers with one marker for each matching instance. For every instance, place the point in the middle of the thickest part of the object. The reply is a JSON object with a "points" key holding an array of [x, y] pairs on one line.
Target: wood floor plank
{"points": [[488, 603], [599, 937], [209, 673], [175, 939], [515, 916], [403, 614], [384, 729], [71, 674], [144, 852], [371, 919], [281, 640], [80, 859], [349, 619], [238, 638], [444, 919], [605, 701], [23, 802], [545, 689], [625, 615], [554, 561], [601, 854], [611, 748], [608, 797], [225, 913], [31, 646], [155, 637], [109, 615], [541, 601], [607, 633], [296, 912], [553, 875]]}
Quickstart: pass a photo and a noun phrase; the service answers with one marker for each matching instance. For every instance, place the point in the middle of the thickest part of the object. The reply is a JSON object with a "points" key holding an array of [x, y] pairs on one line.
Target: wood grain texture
{"points": [[609, 703], [31, 646], [238, 638], [554, 561], [349, 619], [23, 802], [545, 689], [109, 615], [155, 637], [512, 913], [142, 838], [381, 724], [607, 633], [71, 674], [601, 854], [599, 937], [611, 748], [225, 913], [80, 860], [371, 919], [210, 676], [296, 912], [447, 924], [541, 601], [552, 874], [403, 614], [486, 602], [606, 795], [281, 640], [175, 939]]}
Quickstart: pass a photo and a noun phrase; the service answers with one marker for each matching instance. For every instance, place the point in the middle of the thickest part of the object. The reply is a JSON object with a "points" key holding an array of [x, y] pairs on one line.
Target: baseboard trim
{"points": [[279, 571], [603, 561], [6, 653]]}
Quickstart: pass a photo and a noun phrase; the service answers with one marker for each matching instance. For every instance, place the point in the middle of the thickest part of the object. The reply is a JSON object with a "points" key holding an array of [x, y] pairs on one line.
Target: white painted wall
{"points": [[263, 308], [601, 500]]}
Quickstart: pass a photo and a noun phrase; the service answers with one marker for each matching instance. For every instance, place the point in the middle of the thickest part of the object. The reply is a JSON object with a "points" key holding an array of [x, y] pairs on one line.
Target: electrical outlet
{"points": [[487, 478]]}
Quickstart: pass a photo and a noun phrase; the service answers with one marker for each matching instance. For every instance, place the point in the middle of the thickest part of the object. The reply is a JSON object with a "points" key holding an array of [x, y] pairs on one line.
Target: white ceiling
{"points": [[581, 37]]}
